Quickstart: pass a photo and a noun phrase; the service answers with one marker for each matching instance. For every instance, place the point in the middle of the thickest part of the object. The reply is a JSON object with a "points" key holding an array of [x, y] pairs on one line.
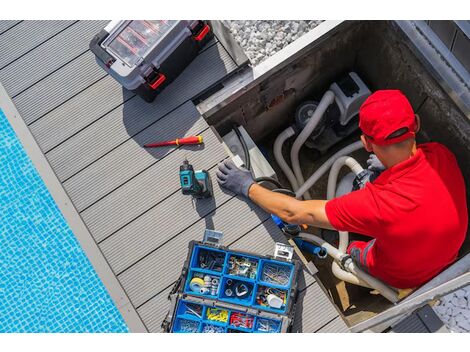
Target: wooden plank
{"points": [[79, 112], [130, 158], [314, 310], [147, 189], [49, 56], [55, 89], [153, 274], [26, 36], [127, 120]]}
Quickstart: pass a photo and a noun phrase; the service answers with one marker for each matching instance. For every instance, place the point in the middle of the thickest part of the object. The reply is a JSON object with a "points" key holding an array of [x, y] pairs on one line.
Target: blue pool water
{"points": [[47, 283]]}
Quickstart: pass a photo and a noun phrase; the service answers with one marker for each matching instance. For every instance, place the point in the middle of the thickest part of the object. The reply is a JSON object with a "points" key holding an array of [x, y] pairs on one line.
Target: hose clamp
{"points": [[344, 259]]}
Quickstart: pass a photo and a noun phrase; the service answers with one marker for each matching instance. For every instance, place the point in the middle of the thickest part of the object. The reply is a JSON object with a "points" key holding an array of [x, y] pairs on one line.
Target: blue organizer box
{"points": [[238, 278]]}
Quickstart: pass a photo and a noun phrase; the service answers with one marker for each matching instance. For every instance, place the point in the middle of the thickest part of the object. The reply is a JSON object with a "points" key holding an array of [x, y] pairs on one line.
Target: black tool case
{"points": [[226, 291], [145, 56]]}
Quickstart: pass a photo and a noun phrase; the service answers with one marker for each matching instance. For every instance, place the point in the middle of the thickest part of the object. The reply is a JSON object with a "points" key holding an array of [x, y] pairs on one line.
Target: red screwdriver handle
{"points": [[178, 141]]}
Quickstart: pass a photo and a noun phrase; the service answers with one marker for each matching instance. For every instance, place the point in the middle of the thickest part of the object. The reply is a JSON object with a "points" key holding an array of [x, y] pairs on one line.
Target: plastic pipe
{"points": [[354, 275], [327, 99], [278, 143], [324, 168], [331, 189]]}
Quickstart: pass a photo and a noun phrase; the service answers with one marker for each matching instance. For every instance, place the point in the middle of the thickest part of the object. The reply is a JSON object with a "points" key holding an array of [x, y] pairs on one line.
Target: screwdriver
{"points": [[178, 141]]}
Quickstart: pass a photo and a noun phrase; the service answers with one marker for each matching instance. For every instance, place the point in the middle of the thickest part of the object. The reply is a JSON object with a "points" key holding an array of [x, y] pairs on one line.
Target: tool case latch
{"points": [[213, 238], [283, 251]]}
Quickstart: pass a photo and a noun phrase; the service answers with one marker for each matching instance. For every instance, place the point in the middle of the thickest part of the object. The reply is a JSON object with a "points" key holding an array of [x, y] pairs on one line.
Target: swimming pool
{"points": [[47, 283]]}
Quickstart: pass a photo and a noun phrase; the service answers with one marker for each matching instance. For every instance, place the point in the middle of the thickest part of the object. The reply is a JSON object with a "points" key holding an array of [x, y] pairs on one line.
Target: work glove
{"points": [[374, 164], [233, 178]]}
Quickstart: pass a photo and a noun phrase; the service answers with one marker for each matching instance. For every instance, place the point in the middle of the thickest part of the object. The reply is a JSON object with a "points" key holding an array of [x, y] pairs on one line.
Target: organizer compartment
{"points": [[262, 298], [236, 291], [264, 325], [241, 321], [207, 328], [208, 259], [276, 273], [190, 310], [201, 283], [183, 325], [242, 266], [218, 315]]}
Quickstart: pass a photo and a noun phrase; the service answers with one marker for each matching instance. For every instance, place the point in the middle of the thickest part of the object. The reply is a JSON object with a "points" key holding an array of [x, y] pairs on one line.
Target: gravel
{"points": [[262, 39], [454, 310]]}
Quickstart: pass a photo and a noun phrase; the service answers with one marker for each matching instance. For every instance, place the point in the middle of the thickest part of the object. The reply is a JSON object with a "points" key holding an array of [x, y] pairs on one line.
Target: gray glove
{"points": [[374, 164], [234, 179]]}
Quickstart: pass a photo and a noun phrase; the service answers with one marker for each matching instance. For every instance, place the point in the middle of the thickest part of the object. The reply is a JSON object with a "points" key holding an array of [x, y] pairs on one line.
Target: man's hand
{"points": [[234, 179], [374, 164]]}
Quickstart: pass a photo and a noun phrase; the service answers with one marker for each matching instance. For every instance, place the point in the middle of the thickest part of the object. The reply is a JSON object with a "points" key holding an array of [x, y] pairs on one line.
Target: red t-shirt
{"points": [[416, 211]]}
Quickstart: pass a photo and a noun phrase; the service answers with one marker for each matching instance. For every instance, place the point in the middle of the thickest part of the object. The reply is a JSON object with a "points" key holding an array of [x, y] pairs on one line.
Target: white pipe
{"points": [[337, 255], [354, 274], [331, 190], [278, 143], [334, 172], [327, 99], [348, 277], [326, 165], [383, 289]]}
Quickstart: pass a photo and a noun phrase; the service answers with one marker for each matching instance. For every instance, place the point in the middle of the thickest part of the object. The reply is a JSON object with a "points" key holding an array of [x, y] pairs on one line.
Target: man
{"points": [[415, 210]]}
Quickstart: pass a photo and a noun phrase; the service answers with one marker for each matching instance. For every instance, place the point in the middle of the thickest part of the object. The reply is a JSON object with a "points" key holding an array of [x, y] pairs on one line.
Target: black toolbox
{"points": [[144, 56], [226, 291]]}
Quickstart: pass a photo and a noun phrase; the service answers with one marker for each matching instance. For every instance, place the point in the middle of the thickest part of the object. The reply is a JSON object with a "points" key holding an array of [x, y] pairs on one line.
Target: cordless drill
{"points": [[196, 183]]}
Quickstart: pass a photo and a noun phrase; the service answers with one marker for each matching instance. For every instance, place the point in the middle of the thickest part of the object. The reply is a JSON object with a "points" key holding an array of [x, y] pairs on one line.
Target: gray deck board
{"points": [[109, 131], [139, 238], [147, 189], [73, 115], [91, 130], [314, 310], [154, 311], [5, 25], [149, 276], [58, 87], [334, 326], [110, 171], [12, 49], [53, 54]]}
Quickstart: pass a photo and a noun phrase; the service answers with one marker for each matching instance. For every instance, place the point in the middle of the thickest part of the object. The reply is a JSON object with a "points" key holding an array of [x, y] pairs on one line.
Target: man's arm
{"points": [[291, 210]]}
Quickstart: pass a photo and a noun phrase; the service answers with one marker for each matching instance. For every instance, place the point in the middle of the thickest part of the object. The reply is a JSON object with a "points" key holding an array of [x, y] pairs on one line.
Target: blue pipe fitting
{"points": [[308, 247]]}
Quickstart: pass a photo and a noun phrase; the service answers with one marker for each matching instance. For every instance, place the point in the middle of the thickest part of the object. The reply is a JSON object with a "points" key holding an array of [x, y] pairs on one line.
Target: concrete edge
{"points": [[75, 222]]}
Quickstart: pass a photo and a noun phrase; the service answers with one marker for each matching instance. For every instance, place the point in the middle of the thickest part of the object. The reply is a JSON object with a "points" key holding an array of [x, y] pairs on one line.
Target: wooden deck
{"points": [[91, 132]]}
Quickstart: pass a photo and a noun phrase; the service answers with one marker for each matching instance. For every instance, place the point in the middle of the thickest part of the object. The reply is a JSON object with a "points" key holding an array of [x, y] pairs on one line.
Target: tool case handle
{"points": [[100, 53]]}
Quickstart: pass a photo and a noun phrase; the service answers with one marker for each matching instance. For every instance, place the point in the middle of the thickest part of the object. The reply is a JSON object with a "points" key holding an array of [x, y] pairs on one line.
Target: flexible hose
{"points": [[326, 165], [278, 143], [285, 191], [331, 190], [270, 180], [245, 148], [327, 99]]}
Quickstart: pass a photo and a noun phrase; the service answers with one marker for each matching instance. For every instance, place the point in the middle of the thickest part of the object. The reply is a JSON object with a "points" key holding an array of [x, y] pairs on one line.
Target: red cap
{"points": [[385, 112]]}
